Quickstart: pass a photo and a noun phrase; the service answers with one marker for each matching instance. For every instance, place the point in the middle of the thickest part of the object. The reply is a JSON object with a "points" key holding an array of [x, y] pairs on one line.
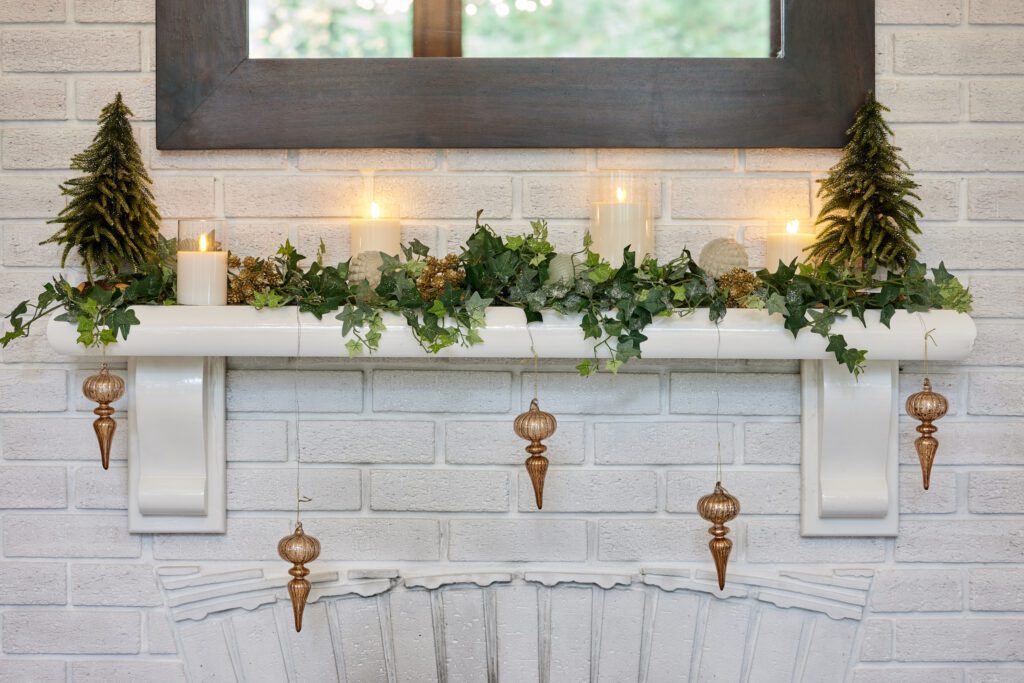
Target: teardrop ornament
{"points": [[104, 388], [535, 425], [299, 549], [926, 406], [718, 508]]}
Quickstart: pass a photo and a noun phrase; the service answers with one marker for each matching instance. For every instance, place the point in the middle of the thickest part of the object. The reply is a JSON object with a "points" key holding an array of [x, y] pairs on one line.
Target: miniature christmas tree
{"points": [[867, 215], [111, 218]]}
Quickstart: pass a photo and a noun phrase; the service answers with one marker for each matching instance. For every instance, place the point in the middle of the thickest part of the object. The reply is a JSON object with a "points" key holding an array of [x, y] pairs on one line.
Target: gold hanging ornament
{"points": [[299, 549], [718, 508], [104, 388], [926, 406], [535, 425]]}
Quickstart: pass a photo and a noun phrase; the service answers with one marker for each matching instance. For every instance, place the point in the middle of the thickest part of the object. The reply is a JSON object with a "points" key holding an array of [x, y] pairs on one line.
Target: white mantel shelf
{"points": [[849, 426]]}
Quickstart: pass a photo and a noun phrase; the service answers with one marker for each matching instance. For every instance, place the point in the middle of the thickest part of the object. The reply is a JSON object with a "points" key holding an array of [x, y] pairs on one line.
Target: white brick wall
{"points": [[415, 464]]}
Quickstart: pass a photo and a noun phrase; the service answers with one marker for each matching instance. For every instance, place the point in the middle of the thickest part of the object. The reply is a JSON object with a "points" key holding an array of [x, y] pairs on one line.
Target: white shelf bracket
{"points": [[176, 445], [849, 463]]}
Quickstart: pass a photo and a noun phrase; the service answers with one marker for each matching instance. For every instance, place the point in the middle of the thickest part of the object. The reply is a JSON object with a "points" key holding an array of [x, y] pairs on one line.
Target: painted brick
{"points": [[439, 490], [569, 196], [780, 541], [364, 441], [446, 196], [962, 149], [996, 100], [995, 344], [75, 535], [294, 196], [517, 540], [30, 197], [940, 198], [246, 539], [20, 246], [92, 93], [895, 674], [651, 540], [516, 160], [185, 196], [114, 585], [102, 671], [996, 491], [996, 393], [367, 159], [33, 487], [100, 489], [33, 583], [256, 239], [996, 590], [957, 640], [994, 247], [377, 539], [33, 98], [777, 160], [666, 159], [920, 101], [670, 240], [761, 493], [996, 12], [941, 497], [265, 488], [43, 148], [883, 51], [604, 394], [968, 443], [159, 634], [876, 645], [428, 391], [997, 296], [16, 286], [740, 394], [220, 159], [771, 443], [589, 491], [917, 12], [660, 443], [970, 52], [257, 440], [32, 671], [959, 541], [56, 438], [115, 11], [70, 50], [995, 199], [23, 391], [39, 10], [495, 443], [1001, 675], [917, 590], [80, 632], [740, 197], [333, 391]]}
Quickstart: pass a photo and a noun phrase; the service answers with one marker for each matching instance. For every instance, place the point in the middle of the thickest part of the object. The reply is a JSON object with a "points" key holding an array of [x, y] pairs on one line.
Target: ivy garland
{"points": [[616, 304]]}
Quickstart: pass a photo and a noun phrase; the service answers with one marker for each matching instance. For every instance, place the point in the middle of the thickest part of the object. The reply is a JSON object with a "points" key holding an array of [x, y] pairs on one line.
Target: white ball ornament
{"points": [[563, 269], [366, 266], [721, 255]]}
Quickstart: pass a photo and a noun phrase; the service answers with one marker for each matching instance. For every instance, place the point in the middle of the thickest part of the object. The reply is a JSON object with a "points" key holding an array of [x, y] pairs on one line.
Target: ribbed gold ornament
{"points": [[299, 549], [718, 508], [104, 388], [535, 425], [926, 406]]}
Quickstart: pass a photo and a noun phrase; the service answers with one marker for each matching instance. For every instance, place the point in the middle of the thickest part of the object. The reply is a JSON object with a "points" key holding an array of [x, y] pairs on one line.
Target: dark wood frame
{"points": [[210, 95]]}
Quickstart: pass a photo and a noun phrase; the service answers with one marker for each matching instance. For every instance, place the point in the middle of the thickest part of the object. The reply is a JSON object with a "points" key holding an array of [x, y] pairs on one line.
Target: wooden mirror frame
{"points": [[211, 95]]}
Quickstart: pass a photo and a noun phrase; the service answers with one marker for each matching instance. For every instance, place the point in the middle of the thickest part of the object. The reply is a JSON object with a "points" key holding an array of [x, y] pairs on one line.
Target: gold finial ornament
{"points": [[718, 508], [299, 549], [535, 425], [926, 406], [104, 388]]}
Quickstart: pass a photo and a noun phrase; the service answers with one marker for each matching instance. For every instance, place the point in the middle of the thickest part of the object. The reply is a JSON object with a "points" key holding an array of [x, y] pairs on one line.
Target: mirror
{"points": [[512, 28]]}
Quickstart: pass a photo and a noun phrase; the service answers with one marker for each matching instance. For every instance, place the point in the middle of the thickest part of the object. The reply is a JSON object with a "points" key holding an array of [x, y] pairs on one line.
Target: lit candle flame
{"points": [[374, 211], [202, 242], [793, 227], [620, 195]]}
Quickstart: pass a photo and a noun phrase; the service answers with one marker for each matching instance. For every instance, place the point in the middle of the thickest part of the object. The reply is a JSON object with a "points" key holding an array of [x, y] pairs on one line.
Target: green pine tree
{"points": [[111, 218], [868, 215]]}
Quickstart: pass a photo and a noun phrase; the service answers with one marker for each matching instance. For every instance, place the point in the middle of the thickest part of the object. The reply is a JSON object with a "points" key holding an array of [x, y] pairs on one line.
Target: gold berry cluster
{"points": [[437, 274], [252, 275], [739, 283]]}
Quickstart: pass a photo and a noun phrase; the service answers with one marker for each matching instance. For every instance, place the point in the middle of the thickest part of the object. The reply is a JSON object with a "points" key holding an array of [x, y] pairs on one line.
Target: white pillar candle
{"points": [[376, 234], [202, 264], [788, 245], [618, 224]]}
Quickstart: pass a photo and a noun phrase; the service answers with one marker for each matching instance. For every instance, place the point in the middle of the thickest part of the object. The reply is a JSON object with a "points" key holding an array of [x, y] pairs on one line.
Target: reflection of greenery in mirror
{"points": [[516, 28]]}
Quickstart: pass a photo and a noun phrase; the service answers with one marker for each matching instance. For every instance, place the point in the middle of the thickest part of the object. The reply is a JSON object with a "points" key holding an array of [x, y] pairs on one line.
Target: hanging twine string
{"points": [[928, 337], [718, 407], [536, 363], [299, 498]]}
